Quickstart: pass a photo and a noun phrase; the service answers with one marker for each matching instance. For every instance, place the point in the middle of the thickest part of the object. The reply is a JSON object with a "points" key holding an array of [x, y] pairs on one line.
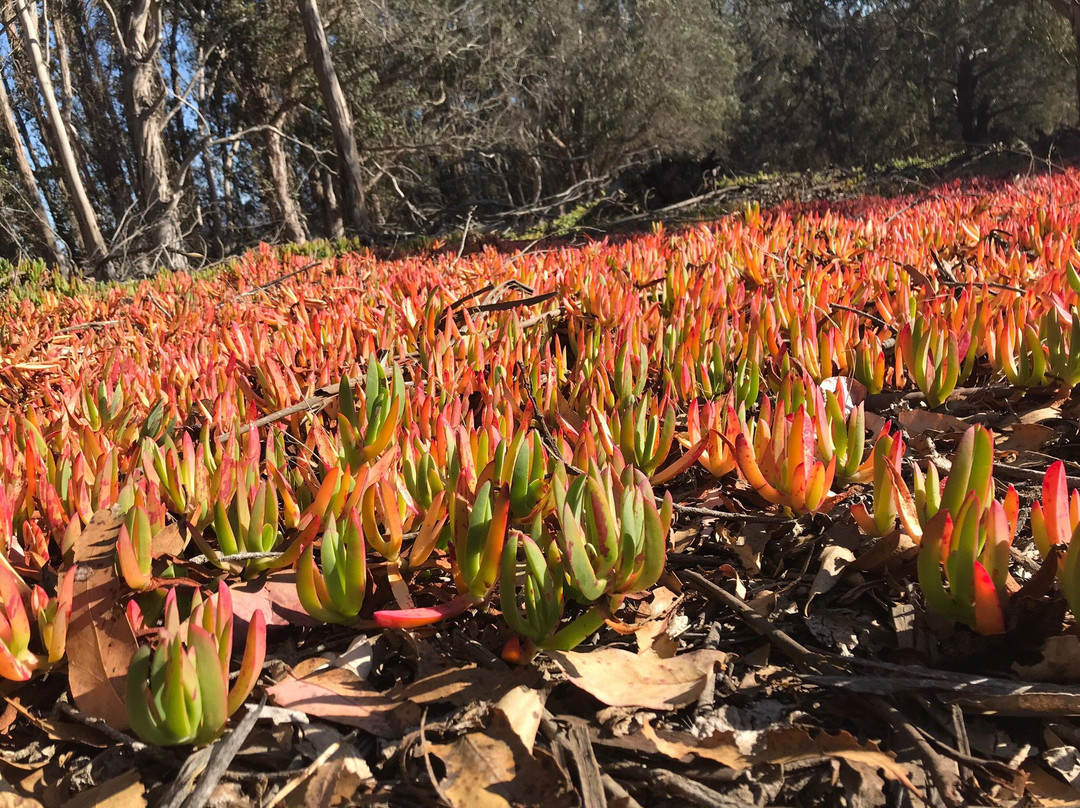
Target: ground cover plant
{"points": [[774, 510]]}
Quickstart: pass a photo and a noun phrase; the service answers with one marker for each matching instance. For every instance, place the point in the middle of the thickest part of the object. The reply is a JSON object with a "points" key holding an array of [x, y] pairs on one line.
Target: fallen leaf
{"points": [[279, 589], [720, 747], [10, 798], [1060, 662], [493, 769], [168, 541], [1026, 438], [338, 780], [620, 678], [653, 634], [100, 643], [251, 597], [854, 390], [339, 695], [469, 683], [1041, 414], [834, 560], [793, 744], [356, 658], [124, 791], [916, 422], [1048, 789], [523, 708], [60, 730]]}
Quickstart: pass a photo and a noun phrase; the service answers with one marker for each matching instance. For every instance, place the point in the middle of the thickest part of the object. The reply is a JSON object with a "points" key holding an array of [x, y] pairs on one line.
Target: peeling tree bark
{"points": [[354, 209], [93, 241], [144, 104], [44, 235], [1070, 10]]}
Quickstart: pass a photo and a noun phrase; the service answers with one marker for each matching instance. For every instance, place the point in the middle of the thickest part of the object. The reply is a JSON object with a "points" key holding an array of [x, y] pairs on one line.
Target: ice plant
{"points": [[932, 353], [17, 661], [973, 551], [520, 464], [248, 523], [643, 431], [888, 452], [971, 472], [841, 434], [478, 532], [612, 541], [179, 692], [712, 422], [381, 513], [1062, 345], [1015, 349], [1055, 522], [384, 402], [780, 466], [870, 363], [133, 548], [532, 602], [336, 593]]}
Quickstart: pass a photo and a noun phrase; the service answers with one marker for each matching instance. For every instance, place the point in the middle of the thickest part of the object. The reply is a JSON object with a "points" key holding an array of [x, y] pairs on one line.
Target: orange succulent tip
{"points": [[424, 616]]}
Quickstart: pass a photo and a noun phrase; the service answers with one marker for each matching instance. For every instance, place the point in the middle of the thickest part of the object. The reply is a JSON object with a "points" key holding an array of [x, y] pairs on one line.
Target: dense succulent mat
{"points": [[773, 510]]}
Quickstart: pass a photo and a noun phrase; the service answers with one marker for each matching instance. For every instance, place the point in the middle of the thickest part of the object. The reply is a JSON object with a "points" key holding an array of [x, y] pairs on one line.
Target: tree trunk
{"points": [[144, 103], [1070, 10], [44, 235], [337, 109], [84, 213], [287, 213]]}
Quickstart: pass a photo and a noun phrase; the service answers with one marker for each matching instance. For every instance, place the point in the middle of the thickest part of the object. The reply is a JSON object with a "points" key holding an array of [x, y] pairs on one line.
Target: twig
{"points": [[202, 559], [427, 759], [618, 793], [222, 756], [71, 712], [83, 326], [465, 234], [763, 518], [803, 658], [946, 782], [871, 317], [270, 285], [1025, 475], [292, 785], [311, 404], [542, 427], [555, 312]]}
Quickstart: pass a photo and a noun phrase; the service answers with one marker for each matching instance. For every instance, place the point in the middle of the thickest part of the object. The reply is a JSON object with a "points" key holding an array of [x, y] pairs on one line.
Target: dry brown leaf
{"points": [[916, 422], [1048, 789], [1060, 662], [653, 634], [100, 643], [124, 791], [619, 678], [794, 744], [1026, 438], [1040, 415], [834, 560], [279, 589], [10, 798], [337, 781], [469, 683], [339, 695], [168, 541], [895, 548], [523, 708], [720, 747], [493, 769], [61, 730]]}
